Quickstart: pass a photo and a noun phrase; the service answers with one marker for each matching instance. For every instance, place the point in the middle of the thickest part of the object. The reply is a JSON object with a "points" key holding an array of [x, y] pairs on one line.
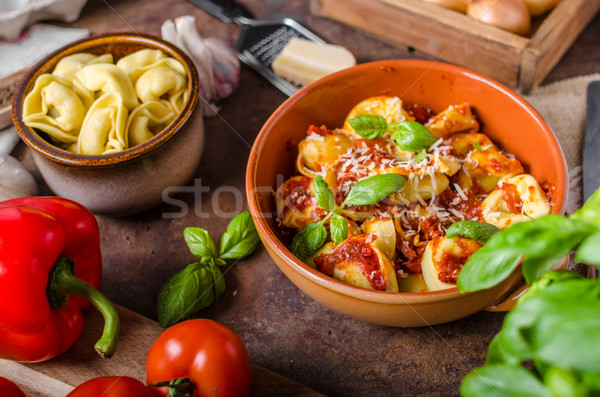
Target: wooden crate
{"points": [[517, 61]]}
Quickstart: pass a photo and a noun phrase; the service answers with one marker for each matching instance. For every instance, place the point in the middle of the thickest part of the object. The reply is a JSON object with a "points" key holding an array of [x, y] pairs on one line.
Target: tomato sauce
{"points": [[419, 112], [471, 207], [451, 265], [549, 189], [358, 251], [322, 130], [512, 198], [297, 194]]}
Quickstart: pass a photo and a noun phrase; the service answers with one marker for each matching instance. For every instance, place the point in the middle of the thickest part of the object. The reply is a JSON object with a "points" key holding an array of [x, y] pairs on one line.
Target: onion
{"points": [[457, 5], [511, 15], [538, 7]]}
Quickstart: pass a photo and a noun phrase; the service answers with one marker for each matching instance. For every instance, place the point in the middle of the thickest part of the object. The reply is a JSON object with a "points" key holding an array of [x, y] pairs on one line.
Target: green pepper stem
{"points": [[64, 283]]}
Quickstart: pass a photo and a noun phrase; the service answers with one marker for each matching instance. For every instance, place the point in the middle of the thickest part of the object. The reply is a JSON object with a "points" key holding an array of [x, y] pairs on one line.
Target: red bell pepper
{"points": [[49, 250]]}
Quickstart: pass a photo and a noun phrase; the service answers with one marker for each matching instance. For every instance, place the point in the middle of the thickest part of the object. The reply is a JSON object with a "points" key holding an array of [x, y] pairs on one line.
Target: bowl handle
{"points": [[508, 302]]}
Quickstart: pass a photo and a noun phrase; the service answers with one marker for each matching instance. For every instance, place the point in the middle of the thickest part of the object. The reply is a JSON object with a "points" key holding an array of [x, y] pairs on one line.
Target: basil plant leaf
{"points": [[323, 194], [338, 226], [558, 326], [309, 240], [199, 242], [374, 189], [369, 126], [590, 211], [422, 155], [186, 292], [240, 239], [411, 135], [588, 251], [478, 231], [502, 380], [541, 241]]}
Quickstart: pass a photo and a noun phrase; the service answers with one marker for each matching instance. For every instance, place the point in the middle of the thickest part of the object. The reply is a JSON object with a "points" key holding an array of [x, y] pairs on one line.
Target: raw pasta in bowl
{"points": [[90, 105], [114, 113]]}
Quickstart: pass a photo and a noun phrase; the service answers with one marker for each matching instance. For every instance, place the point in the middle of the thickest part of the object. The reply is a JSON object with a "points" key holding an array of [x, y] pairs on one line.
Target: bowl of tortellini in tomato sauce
{"points": [[354, 181], [112, 121]]}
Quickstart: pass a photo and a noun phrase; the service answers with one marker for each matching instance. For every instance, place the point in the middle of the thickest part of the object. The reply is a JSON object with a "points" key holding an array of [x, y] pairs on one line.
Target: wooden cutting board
{"points": [[57, 377]]}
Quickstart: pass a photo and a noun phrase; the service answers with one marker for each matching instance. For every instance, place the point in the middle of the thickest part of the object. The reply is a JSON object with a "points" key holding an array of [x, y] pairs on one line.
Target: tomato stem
{"points": [[180, 387], [63, 283]]}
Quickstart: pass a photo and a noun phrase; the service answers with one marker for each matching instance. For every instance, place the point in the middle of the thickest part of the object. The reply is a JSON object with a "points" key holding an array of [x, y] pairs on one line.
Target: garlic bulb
{"points": [[511, 15], [217, 64], [15, 180]]}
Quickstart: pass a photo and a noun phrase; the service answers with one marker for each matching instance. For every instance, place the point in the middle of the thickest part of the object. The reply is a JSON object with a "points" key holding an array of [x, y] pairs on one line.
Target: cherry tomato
{"points": [[9, 389], [112, 386], [208, 353]]}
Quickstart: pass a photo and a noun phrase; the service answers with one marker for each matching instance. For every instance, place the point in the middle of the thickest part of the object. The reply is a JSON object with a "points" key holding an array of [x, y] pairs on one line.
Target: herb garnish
{"points": [[365, 192], [200, 284]]}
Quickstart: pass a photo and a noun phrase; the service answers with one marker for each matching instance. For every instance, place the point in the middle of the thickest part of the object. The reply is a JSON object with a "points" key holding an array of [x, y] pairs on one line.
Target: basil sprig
{"points": [[201, 283], [369, 126], [409, 135], [537, 244], [554, 326], [365, 192], [478, 231]]}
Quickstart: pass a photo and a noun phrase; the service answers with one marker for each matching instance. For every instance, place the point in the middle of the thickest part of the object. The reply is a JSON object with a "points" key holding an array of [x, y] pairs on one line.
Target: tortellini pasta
{"points": [[400, 243], [90, 105]]}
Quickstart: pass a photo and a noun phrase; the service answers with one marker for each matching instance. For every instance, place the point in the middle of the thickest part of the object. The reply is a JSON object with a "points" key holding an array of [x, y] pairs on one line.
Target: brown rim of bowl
{"points": [[338, 286], [54, 153]]}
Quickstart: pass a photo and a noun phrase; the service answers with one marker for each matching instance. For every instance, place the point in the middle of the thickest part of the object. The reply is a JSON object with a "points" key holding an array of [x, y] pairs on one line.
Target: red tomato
{"points": [[112, 386], [210, 354], [9, 389]]}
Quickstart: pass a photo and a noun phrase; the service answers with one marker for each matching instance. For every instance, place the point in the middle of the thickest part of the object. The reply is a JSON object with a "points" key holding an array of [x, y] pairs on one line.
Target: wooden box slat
{"points": [[518, 61]]}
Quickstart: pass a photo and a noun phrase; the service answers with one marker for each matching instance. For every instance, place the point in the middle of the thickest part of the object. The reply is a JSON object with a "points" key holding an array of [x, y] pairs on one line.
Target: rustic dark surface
{"points": [[284, 330]]}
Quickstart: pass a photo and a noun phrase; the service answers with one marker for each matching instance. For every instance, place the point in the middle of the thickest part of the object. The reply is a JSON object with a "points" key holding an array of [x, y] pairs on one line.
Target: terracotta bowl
{"points": [[133, 180], [505, 117]]}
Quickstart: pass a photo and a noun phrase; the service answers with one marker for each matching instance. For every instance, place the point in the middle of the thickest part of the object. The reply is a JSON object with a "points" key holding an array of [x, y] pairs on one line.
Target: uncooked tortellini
{"points": [[90, 105]]}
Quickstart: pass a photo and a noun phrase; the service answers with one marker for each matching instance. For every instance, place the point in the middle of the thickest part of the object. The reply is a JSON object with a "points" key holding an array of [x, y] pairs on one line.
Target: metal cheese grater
{"points": [[261, 40]]}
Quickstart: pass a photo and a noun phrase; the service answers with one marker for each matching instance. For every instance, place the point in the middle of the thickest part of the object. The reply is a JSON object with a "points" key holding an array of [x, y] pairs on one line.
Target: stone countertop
{"points": [[284, 330]]}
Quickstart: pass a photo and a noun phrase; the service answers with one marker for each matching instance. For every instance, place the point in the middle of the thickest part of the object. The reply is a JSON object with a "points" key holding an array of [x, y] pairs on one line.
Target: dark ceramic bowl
{"points": [[506, 118], [132, 180]]}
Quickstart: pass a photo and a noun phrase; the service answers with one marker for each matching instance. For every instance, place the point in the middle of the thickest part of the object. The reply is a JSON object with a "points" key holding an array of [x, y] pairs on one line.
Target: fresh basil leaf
{"points": [[219, 279], [486, 268], [338, 226], [477, 146], [589, 252], [374, 189], [558, 326], [422, 155], [478, 231], [369, 126], [590, 211], [411, 135], [502, 380], [544, 240], [199, 242], [240, 239], [564, 382], [186, 292], [323, 194], [309, 240], [547, 279], [501, 351]]}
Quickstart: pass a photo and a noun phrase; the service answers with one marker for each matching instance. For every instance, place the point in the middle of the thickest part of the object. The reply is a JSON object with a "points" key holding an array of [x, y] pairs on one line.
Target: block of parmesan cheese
{"points": [[303, 62]]}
